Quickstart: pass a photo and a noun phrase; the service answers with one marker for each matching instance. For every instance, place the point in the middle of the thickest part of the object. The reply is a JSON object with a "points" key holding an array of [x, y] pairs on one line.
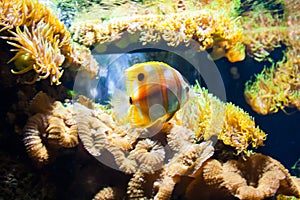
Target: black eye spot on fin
{"points": [[130, 100], [141, 76]]}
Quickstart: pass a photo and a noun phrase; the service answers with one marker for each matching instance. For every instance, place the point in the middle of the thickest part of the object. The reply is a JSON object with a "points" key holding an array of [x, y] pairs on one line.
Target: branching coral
{"points": [[135, 188], [257, 177], [42, 42], [52, 127], [107, 193], [205, 27]]}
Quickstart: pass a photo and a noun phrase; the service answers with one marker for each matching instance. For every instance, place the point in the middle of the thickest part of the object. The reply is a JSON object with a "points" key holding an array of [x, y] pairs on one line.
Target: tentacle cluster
{"points": [[41, 41], [201, 29], [207, 116], [277, 87]]}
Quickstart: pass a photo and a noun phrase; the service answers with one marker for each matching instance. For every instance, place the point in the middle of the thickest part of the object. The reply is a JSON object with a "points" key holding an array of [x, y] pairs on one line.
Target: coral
{"points": [[135, 188], [132, 153], [107, 193], [277, 87], [42, 42], [239, 130], [43, 56], [51, 128], [33, 140], [178, 150], [205, 27], [83, 60], [257, 177], [186, 162], [228, 122], [263, 32], [156, 163], [149, 155]]}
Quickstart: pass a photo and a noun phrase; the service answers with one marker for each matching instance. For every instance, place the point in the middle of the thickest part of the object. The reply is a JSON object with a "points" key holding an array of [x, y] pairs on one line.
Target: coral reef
{"points": [[176, 150], [42, 42], [209, 29], [277, 87], [159, 164], [257, 177], [205, 149]]}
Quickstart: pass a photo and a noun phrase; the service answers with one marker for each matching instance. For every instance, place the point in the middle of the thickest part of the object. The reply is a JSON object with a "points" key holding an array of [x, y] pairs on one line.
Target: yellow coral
{"points": [[44, 56], [204, 27], [42, 42], [239, 130], [263, 32], [277, 87], [229, 123]]}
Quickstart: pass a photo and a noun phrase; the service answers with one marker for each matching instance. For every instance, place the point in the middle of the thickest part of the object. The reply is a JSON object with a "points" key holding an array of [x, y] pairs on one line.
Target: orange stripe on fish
{"points": [[162, 86], [154, 92]]}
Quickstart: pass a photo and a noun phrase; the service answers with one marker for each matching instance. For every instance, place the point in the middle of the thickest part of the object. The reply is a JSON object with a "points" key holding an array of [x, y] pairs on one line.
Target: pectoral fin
{"points": [[137, 118], [120, 103]]}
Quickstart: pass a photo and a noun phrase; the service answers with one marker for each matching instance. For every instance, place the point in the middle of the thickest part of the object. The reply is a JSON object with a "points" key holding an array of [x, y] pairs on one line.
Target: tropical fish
{"points": [[154, 92]]}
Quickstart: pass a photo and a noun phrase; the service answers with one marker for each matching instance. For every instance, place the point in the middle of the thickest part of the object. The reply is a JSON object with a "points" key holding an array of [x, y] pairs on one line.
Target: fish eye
{"points": [[141, 76], [187, 89], [130, 100]]}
